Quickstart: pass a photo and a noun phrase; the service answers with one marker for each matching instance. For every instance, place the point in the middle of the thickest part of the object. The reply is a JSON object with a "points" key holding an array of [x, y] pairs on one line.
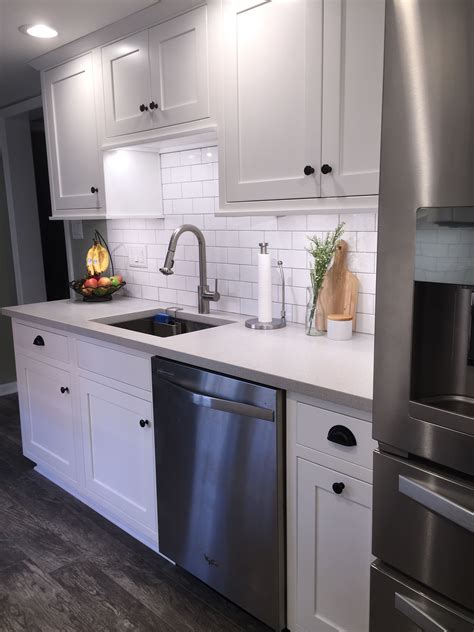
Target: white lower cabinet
{"points": [[333, 550], [119, 452], [329, 499], [47, 420]]}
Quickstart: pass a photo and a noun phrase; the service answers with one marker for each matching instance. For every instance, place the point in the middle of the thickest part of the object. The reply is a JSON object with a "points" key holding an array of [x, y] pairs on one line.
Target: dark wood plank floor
{"points": [[65, 568]]}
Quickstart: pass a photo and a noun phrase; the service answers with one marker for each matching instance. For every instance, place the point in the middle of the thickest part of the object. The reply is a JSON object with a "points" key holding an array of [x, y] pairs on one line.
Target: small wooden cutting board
{"points": [[340, 290]]}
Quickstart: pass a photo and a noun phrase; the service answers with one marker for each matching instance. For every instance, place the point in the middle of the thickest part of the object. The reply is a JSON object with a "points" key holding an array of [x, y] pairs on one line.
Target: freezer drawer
{"points": [[398, 604], [423, 526]]}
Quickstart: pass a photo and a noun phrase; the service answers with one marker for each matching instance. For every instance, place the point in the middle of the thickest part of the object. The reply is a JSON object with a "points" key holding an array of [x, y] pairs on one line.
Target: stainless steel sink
{"points": [[175, 327]]}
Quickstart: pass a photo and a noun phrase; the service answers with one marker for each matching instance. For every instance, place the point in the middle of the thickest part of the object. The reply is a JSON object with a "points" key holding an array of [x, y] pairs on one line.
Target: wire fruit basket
{"points": [[94, 286]]}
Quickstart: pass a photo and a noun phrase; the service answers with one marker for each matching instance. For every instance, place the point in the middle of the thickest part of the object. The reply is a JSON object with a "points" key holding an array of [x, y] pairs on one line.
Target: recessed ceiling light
{"points": [[38, 30]]}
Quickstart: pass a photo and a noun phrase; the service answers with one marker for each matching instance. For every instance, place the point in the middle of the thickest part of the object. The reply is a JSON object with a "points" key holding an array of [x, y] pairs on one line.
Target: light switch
{"points": [[137, 257], [76, 229]]}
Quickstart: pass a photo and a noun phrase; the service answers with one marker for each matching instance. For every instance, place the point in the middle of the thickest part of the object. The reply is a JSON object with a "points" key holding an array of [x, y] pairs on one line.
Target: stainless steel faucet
{"points": [[204, 294]]}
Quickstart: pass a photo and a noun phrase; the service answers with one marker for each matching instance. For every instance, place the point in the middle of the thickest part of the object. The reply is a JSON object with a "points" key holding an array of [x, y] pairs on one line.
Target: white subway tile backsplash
{"points": [[190, 190]]}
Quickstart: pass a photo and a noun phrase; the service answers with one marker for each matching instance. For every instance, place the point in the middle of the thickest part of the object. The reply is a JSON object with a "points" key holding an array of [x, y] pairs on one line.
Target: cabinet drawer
{"points": [[40, 342], [421, 514], [118, 365], [314, 424]]}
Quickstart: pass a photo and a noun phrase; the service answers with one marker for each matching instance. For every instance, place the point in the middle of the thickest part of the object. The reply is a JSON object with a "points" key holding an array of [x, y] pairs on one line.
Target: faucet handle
{"points": [[216, 295]]}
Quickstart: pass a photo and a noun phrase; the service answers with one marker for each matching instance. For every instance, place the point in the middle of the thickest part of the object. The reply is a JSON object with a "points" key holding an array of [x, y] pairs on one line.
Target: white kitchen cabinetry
{"points": [[127, 91], [329, 519], [179, 69], [272, 82], [47, 421], [302, 103], [75, 164], [352, 96], [119, 452], [158, 77]]}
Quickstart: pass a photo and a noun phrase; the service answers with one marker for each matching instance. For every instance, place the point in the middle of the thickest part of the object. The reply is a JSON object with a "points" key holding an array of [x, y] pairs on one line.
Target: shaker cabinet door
{"points": [[126, 76], [352, 96], [272, 105], [333, 550], [71, 126], [179, 69], [119, 452], [47, 422]]}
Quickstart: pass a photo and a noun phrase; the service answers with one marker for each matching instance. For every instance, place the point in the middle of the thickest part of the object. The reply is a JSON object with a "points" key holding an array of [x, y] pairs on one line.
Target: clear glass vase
{"points": [[313, 320]]}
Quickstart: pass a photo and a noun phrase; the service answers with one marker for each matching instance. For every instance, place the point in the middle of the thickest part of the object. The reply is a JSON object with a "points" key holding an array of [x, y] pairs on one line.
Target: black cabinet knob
{"points": [[143, 108], [94, 190], [337, 488], [153, 105], [144, 422], [325, 169], [38, 341], [64, 389], [308, 170], [342, 436]]}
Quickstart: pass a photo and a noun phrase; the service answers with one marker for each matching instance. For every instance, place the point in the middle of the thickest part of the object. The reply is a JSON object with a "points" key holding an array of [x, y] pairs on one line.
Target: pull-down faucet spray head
{"points": [[167, 268]]}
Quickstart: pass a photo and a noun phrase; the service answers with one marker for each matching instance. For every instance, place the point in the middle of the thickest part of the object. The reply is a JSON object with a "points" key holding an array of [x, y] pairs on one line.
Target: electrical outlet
{"points": [[76, 229], [137, 257]]}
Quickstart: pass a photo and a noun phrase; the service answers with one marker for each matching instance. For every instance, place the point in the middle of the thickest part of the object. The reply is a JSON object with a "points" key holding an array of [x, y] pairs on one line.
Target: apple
{"points": [[116, 280], [92, 283], [103, 282]]}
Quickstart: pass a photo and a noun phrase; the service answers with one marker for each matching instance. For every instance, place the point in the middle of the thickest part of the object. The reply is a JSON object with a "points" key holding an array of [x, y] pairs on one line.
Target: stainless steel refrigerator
{"points": [[423, 517]]}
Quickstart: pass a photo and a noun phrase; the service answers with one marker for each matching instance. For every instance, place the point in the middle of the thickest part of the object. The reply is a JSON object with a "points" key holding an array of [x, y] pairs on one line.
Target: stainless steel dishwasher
{"points": [[220, 484]]}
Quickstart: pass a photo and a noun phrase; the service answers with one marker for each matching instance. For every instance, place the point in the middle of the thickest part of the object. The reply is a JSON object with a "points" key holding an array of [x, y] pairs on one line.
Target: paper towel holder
{"points": [[277, 323]]}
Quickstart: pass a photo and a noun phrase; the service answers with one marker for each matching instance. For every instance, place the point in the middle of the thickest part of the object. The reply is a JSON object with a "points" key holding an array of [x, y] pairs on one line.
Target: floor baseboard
{"points": [[8, 389]]}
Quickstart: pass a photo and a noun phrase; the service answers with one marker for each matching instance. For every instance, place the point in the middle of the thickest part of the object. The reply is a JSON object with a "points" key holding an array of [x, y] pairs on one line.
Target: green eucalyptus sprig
{"points": [[322, 250]]}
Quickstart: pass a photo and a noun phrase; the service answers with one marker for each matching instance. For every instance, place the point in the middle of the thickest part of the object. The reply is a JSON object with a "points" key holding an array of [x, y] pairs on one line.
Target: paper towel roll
{"points": [[264, 288]]}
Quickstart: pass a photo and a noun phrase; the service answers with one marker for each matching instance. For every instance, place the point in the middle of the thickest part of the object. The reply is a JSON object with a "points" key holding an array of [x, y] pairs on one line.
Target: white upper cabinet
{"points": [[127, 93], [74, 159], [302, 101], [272, 81], [158, 77], [179, 69], [352, 96]]}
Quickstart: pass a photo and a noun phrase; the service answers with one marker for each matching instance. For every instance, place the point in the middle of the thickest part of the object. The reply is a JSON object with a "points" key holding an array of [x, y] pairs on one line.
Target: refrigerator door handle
{"points": [[419, 617], [224, 405], [438, 503]]}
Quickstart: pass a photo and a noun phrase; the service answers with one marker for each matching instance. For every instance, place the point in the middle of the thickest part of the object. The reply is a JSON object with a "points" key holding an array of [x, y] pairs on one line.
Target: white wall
{"points": [[190, 192]]}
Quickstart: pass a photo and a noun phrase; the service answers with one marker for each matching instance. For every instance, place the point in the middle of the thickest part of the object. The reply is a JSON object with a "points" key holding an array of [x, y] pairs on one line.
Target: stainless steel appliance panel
{"points": [[424, 525], [426, 161], [219, 459], [399, 604]]}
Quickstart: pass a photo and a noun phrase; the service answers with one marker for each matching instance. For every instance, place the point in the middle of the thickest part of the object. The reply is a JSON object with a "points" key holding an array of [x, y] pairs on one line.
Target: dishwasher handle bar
{"points": [[224, 405]]}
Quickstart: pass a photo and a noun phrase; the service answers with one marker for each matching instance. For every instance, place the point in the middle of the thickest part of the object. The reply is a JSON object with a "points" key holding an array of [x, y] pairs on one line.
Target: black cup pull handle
{"points": [[64, 389], [337, 488], [38, 341], [144, 422], [342, 436]]}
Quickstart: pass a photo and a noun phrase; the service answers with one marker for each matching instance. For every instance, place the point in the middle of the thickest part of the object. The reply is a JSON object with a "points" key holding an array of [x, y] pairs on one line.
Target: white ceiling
{"points": [[72, 18]]}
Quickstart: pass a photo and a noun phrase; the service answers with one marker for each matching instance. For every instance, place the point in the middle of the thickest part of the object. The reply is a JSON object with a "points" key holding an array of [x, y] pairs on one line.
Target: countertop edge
{"points": [[311, 390]]}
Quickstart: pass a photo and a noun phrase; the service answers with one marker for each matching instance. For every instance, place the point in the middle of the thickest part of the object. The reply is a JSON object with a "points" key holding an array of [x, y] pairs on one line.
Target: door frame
{"points": [[29, 273]]}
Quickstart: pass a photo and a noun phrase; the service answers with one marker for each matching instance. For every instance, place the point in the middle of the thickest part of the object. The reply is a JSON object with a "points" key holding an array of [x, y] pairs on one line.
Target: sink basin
{"points": [[175, 327]]}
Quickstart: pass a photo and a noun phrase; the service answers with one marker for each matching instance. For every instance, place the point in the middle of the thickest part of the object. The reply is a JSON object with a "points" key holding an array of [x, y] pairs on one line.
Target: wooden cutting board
{"points": [[340, 290]]}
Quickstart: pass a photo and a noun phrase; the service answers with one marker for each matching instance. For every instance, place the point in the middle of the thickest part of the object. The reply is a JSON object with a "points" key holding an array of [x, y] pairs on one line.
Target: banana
{"points": [[89, 261], [102, 258], [97, 259]]}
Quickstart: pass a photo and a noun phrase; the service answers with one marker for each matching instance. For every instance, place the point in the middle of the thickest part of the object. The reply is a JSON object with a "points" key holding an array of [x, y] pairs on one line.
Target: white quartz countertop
{"points": [[339, 372]]}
